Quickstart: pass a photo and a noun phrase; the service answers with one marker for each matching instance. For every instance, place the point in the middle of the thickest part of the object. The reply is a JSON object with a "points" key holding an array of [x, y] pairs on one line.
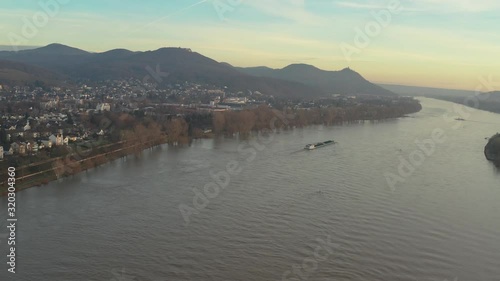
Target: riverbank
{"points": [[282, 201], [473, 101], [492, 148], [178, 131], [75, 163]]}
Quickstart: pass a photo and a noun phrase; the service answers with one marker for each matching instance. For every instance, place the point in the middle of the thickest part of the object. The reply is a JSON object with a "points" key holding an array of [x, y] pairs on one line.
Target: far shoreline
{"points": [[67, 167], [50, 176]]}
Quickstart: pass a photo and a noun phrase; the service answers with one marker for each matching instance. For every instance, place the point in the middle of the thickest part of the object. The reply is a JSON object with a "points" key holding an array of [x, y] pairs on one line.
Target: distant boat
{"points": [[460, 119], [319, 144]]}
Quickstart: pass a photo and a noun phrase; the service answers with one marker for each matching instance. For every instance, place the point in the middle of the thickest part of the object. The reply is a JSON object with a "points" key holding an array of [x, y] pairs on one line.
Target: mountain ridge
{"points": [[345, 81], [183, 64]]}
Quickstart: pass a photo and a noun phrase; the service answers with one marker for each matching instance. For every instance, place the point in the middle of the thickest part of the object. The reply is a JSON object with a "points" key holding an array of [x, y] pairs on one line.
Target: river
{"points": [[285, 214]]}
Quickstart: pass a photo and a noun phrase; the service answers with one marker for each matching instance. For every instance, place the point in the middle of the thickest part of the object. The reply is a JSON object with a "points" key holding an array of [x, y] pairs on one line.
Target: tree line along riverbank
{"points": [[128, 134]]}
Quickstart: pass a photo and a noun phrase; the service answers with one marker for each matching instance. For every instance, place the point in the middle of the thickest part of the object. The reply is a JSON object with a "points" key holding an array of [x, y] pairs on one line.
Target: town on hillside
{"points": [[39, 122]]}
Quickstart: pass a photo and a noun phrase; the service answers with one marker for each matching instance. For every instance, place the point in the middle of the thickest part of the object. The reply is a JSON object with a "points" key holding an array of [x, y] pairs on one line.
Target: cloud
{"points": [[182, 10], [466, 6], [293, 10], [432, 6], [358, 5]]}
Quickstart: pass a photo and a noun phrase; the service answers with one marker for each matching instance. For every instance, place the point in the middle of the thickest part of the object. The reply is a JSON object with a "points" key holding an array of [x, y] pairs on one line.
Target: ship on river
{"points": [[319, 144]]}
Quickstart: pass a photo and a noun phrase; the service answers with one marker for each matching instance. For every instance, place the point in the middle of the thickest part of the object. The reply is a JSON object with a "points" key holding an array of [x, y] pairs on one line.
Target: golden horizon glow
{"points": [[441, 44]]}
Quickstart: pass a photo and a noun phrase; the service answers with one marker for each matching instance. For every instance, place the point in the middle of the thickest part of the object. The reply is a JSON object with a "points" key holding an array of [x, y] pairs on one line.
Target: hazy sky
{"points": [[436, 43]]}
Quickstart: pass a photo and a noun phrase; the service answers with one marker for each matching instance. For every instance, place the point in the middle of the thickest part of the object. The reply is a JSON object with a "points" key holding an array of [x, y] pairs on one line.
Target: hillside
{"points": [[426, 91], [55, 57], [15, 73], [180, 64], [492, 96], [485, 101], [345, 81], [185, 65]]}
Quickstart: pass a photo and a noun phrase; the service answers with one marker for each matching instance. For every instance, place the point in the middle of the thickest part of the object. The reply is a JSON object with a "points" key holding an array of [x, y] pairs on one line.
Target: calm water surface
{"points": [[122, 221]]}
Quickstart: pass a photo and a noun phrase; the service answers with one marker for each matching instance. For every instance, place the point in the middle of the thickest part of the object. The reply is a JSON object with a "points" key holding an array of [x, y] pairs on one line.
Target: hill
{"points": [[492, 96], [176, 65], [345, 81], [15, 73], [486, 101], [180, 64], [426, 91], [55, 57]]}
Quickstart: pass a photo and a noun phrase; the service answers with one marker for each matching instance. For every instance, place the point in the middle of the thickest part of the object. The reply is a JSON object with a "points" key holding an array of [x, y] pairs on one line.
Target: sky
{"points": [[432, 43]]}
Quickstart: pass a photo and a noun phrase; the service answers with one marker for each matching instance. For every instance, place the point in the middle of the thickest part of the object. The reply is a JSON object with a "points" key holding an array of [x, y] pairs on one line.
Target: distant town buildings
{"points": [[56, 140], [103, 107], [45, 144], [27, 127], [37, 119], [236, 100]]}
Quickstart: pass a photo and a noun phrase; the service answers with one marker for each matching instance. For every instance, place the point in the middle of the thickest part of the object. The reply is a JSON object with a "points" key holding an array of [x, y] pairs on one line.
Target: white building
{"points": [[57, 140], [103, 107], [236, 100], [22, 148], [27, 127]]}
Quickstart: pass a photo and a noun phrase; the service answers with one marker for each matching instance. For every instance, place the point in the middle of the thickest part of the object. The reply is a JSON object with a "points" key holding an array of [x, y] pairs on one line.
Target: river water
{"points": [[289, 214]]}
